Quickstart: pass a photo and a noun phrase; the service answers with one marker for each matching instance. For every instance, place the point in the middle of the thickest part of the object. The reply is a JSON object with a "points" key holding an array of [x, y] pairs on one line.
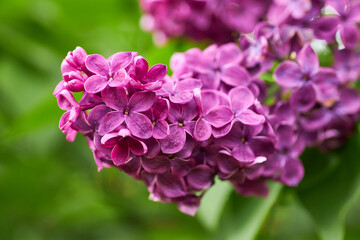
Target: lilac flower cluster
{"points": [[177, 132], [215, 116], [219, 20]]}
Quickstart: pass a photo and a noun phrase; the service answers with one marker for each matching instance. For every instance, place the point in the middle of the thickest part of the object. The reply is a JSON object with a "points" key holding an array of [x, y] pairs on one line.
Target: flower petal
{"points": [[249, 117], [243, 154], [175, 141], [304, 98], [115, 98], [200, 177], [171, 186], [219, 116], [181, 97], [256, 187], [180, 167], [95, 84], [141, 67], [97, 64], [119, 61], [202, 130], [241, 98], [156, 73], [326, 28], [141, 101], [261, 146], [349, 102], [120, 153], [235, 76], [97, 114], [293, 172], [226, 163], [161, 109], [139, 125], [111, 121], [156, 165], [161, 129], [349, 35], [308, 60], [288, 75], [137, 147]]}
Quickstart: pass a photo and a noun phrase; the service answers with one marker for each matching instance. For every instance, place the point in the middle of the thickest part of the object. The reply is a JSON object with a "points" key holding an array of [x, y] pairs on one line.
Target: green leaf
{"points": [[330, 187], [245, 217], [213, 204]]}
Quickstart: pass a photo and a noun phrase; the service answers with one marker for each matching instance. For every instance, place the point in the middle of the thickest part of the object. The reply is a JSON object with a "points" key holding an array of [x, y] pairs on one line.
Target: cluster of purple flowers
{"points": [[215, 116], [222, 20]]}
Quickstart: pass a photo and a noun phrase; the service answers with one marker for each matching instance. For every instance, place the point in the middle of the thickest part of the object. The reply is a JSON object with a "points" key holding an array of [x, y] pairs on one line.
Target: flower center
{"points": [[181, 124], [171, 156], [126, 112], [154, 123], [243, 139], [111, 79]]}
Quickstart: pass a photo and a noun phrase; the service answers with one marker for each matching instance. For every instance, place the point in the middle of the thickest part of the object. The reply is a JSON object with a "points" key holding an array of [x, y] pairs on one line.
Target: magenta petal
{"points": [[141, 101], [120, 153], [241, 98], [326, 28], [97, 114], [189, 205], [110, 121], [97, 64], [249, 117], [139, 125], [180, 167], [293, 172], [355, 11], [161, 129], [349, 102], [175, 141], [157, 73], [156, 165], [153, 147], [304, 98], [308, 60], [202, 130], [288, 75], [243, 154], [115, 98], [170, 186], [349, 35], [141, 67], [120, 79], [137, 147], [219, 116], [200, 177], [109, 140], [261, 146], [66, 100], [119, 61], [317, 120], [229, 53], [95, 84], [222, 131], [256, 187], [235, 76], [226, 163], [181, 97], [161, 109]]}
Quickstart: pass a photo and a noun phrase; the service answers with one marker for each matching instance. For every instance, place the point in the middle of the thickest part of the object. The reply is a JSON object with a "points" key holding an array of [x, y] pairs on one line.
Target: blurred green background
{"points": [[50, 188]]}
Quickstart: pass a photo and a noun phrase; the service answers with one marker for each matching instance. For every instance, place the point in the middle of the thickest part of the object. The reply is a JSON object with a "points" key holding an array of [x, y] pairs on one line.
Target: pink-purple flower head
{"points": [[309, 81], [344, 21], [109, 72]]}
